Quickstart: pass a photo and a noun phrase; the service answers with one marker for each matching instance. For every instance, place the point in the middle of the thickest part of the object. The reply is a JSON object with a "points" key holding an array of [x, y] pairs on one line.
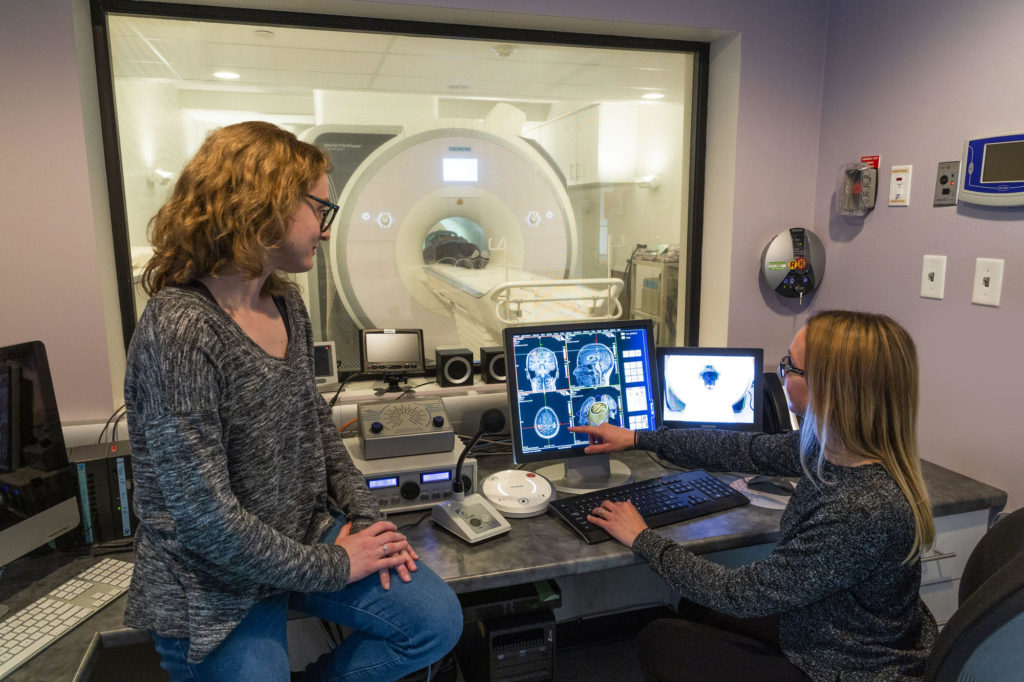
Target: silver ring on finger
{"points": [[385, 548]]}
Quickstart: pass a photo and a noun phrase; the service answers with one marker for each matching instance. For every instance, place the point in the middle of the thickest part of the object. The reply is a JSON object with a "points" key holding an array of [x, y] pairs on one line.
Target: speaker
{"points": [[492, 365], [454, 367]]}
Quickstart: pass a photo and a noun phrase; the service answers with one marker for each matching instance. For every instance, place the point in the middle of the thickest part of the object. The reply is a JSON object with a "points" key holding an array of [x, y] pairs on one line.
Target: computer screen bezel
{"points": [[512, 381], [400, 365], [757, 353]]}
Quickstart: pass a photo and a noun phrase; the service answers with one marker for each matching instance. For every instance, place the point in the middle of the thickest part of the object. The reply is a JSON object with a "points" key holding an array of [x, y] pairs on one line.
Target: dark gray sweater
{"points": [[236, 461], [849, 608]]}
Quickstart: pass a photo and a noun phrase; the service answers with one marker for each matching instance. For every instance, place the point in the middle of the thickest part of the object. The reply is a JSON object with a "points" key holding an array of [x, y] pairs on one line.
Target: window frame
{"points": [[100, 9]]}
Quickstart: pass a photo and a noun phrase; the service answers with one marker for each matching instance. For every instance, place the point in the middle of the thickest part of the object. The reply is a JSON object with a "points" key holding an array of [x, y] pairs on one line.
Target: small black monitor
{"points": [[391, 353], [575, 374], [720, 388]]}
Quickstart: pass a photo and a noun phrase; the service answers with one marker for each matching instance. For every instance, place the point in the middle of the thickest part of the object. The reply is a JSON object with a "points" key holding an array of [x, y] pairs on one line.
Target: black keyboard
{"points": [[661, 501]]}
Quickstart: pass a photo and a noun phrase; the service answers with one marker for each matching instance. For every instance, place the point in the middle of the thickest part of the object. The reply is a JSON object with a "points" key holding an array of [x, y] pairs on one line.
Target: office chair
{"points": [[982, 640]]}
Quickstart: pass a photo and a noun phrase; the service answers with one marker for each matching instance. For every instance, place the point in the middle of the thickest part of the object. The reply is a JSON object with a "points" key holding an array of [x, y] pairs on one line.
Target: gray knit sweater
{"points": [[236, 462], [849, 608]]}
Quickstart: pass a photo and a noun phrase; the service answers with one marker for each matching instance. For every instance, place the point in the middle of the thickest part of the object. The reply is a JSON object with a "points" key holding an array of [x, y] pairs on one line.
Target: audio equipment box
{"points": [[395, 428], [105, 482], [412, 482]]}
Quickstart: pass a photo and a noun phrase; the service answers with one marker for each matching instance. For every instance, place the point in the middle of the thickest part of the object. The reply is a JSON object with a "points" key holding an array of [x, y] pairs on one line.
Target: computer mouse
{"points": [[773, 485]]}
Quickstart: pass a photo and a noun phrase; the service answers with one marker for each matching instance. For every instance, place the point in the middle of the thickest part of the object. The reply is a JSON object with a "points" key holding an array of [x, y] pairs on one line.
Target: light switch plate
{"points": [[899, 185], [988, 281], [933, 277], [947, 183]]}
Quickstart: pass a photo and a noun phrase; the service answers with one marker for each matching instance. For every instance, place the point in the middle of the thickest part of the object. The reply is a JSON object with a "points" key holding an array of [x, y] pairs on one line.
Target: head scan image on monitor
{"points": [[711, 388], [578, 374]]}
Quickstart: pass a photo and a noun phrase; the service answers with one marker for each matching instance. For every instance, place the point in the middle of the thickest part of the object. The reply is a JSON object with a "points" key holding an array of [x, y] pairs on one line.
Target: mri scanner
{"points": [[478, 183]]}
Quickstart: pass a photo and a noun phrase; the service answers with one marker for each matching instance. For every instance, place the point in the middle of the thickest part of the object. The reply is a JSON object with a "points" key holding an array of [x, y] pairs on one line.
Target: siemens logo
{"points": [[460, 149]]}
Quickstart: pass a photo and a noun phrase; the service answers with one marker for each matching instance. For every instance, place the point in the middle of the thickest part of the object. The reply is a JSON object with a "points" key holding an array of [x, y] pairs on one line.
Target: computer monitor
{"points": [[573, 374], [721, 388], [37, 495], [391, 353]]}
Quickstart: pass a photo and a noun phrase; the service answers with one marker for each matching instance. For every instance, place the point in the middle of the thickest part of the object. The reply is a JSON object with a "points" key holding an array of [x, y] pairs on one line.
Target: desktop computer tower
{"points": [[104, 475], [520, 647], [509, 633]]}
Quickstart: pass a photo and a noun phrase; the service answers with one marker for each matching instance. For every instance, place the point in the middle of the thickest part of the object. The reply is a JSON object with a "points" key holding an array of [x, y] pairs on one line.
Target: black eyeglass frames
{"points": [[327, 217], [786, 366]]}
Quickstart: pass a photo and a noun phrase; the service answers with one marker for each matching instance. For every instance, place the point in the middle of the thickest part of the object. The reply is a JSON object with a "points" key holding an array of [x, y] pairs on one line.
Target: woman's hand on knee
{"points": [[373, 550]]}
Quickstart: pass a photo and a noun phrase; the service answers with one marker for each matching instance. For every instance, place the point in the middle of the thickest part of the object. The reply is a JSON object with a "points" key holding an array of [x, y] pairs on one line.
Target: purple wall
{"points": [[911, 81]]}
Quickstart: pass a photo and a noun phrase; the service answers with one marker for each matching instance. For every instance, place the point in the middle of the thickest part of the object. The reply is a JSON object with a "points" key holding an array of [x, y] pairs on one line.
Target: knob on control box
{"points": [[398, 428]]}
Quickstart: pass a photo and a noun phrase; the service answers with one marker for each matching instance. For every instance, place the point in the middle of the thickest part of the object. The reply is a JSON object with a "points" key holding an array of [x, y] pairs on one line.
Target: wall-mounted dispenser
{"points": [[856, 189], [793, 263]]}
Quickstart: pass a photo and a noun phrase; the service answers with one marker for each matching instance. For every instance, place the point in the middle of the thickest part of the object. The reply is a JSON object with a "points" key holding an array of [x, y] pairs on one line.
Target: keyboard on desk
{"points": [[661, 501], [27, 632]]}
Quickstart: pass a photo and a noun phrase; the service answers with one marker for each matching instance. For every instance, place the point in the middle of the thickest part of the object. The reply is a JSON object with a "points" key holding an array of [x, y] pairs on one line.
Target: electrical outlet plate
{"points": [[988, 281], [899, 185], [933, 277]]}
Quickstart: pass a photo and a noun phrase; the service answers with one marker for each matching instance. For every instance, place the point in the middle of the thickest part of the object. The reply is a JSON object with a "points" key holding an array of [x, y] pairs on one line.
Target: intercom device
{"points": [[325, 364], [397, 428], [993, 170], [391, 353], [472, 518], [793, 263], [414, 482], [857, 189]]}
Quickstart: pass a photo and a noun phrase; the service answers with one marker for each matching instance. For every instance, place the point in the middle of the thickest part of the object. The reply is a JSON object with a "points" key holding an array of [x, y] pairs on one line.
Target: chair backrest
{"points": [[1002, 542], [982, 641]]}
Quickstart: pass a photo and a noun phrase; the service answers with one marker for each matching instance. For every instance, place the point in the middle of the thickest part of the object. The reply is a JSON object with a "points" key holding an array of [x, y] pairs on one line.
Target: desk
{"points": [[536, 548]]}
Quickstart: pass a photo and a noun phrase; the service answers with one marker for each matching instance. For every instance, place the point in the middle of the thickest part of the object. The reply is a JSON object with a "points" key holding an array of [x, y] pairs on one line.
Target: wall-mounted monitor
{"points": [[391, 353], [721, 388], [576, 374], [992, 171]]}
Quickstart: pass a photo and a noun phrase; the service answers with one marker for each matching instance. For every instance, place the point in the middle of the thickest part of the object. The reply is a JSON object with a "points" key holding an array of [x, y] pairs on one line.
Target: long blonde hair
{"points": [[231, 204], [862, 381]]}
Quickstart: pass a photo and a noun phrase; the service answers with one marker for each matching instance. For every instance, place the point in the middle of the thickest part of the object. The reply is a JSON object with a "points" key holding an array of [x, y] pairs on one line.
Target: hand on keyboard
{"points": [[621, 520], [660, 501]]}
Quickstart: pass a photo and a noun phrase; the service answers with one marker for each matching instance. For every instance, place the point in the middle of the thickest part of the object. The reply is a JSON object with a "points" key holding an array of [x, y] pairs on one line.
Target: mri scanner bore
{"points": [[478, 234]]}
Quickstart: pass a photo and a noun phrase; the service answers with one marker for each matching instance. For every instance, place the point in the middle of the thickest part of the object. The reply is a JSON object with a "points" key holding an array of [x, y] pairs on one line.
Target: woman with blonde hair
{"points": [[838, 596], [248, 503]]}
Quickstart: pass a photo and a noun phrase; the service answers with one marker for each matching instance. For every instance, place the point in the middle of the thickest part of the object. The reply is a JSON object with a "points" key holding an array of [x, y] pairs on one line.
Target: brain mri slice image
{"points": [[596, 410], [594, 364], [546, 423], [719, 390], [542, 369], [710, 376]]}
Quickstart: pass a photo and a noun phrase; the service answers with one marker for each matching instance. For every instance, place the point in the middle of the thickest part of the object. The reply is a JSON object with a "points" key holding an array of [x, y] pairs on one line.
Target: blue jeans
{"points": [[397, 631]]}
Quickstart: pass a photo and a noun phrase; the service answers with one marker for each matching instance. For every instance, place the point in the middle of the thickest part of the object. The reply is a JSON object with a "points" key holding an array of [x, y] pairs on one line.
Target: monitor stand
{"points": [[393, 387], [578, 475]]}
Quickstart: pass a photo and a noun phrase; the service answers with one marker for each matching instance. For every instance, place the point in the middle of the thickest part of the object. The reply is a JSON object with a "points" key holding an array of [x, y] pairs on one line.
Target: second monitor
{"points": [[392, 354], [576, 374], [718, 388]]}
